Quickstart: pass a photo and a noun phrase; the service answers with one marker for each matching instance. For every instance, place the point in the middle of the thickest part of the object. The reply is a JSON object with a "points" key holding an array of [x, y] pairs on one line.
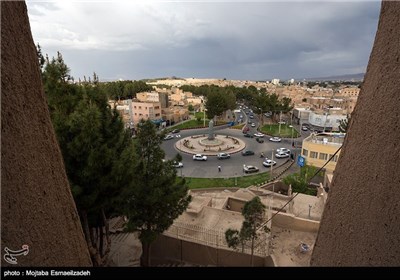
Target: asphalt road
{"points": [[229, 167]]}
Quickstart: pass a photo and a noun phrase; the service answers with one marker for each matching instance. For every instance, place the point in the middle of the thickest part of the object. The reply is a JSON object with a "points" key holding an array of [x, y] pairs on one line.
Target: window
{"points": [[134, 107], [313, 154], [140, 107], [305, 153], [335, 159], [323, 156]]}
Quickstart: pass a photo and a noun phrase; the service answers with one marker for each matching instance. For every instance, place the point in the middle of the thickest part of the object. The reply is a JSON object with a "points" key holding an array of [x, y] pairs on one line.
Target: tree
{"points": [[158, 198], [98, 154], [344, 124], [300, 181], [190, 108], [216, 104], [254, 213]]}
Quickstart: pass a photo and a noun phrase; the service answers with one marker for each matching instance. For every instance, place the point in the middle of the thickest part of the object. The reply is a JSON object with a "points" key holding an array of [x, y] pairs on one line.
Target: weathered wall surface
{"points": [[166, 249], [37, 207], [361, 221]]}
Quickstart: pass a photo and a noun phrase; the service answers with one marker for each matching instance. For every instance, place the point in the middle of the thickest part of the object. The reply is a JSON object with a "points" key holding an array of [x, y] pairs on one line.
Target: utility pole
{"points": [[280, 120]]}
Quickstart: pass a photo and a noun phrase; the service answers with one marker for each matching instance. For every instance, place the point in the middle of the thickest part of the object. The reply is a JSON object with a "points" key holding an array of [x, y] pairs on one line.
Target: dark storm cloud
{"points": [[233, 40]]}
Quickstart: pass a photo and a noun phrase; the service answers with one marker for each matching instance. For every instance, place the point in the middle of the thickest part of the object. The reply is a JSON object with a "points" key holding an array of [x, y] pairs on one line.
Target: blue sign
{"points": [[301, 161]]}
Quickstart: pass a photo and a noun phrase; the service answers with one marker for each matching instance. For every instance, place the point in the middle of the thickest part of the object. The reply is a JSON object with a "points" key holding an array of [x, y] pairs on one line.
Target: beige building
{"points": [[318, 148], [145, 111], [349, 92], [148, 96]]}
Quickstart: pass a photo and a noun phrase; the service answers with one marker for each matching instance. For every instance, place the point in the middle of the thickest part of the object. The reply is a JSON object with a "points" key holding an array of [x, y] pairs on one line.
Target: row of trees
{"points": [[220, 99], [109, 174]]}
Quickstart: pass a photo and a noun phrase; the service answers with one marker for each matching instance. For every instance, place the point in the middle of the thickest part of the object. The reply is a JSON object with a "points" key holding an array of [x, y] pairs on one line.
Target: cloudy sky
{"points": [[254, 40]]}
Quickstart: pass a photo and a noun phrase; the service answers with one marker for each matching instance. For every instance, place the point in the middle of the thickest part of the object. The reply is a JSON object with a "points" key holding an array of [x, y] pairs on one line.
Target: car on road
{"points": [[248, 135], [268, 163], [250, 169], [253, 125], [275, 139], [223, 156], [247, 153], [199, 157], [304, 128], [177, 164], [258, 134], [283, 150], [282, 155], [175, 130], [259, 140], [168, 137]]}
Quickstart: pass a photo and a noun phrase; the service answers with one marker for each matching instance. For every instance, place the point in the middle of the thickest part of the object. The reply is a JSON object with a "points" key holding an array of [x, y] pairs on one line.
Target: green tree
{"points": [[98, 153], [158, 198], [300, 181], [253, 213], [216, 104], [344, 124]]}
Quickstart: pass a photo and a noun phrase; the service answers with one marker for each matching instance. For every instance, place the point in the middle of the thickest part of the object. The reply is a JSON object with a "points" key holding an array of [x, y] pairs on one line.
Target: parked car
{"points": [[282, 155], [175, 130], [268, 163], [250, 169], [258, 134], [283, 150], [275, 139], [248, 135], [247, 153], [168, 137], [253, 125], [259, 140], [199, 157], [223, 156], [177, 164]]}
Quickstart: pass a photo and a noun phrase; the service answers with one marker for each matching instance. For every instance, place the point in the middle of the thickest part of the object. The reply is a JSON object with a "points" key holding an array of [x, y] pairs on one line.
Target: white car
{"points": [[253, 125], [199, 157], [177, 164], [169, 136], [282, 155], [275, 139], [250, 169], [304, 128], [223, 155], [282, 150], [258, 134], [269, 163]]}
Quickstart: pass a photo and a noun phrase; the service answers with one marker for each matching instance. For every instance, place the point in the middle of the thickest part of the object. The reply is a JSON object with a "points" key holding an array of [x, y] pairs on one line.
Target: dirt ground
{"points": [[285, 246]]}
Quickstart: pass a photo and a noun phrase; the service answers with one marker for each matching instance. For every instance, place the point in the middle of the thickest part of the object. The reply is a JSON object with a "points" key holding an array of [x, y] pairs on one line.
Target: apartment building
{"points": [[317, 149], [145, 110]]}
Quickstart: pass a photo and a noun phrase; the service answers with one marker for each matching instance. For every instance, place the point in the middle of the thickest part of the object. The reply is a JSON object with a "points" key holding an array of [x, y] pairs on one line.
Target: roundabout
{"points": [[201, 144], [210, 144]]}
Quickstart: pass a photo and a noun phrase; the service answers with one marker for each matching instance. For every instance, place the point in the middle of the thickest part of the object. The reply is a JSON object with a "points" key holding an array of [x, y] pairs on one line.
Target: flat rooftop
{"points": [[335, 139]]}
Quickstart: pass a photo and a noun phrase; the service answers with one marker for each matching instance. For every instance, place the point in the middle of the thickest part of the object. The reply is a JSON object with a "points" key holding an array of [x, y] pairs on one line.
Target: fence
{"points": [[214, 238]]}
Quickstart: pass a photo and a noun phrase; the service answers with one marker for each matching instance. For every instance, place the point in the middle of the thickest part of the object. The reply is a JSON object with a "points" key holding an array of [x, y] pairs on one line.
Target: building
{"points": [[317, 149], [328, 119], [275, 81], [145, 110], [148, 96]]}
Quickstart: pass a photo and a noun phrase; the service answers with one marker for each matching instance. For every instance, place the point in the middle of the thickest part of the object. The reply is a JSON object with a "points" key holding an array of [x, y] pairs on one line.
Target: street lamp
{"points": [[272, 162], [204, 117]]}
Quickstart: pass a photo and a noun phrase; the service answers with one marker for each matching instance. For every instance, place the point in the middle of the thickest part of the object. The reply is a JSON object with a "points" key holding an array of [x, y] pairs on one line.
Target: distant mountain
{"points": [[347, 77]]}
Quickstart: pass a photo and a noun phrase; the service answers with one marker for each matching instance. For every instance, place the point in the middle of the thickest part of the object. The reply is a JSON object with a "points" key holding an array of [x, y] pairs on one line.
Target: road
{"points": [[232, 167]]}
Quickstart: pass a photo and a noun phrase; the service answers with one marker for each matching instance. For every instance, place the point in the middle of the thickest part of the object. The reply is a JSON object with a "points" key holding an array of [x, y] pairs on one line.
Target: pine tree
{"points": [[98, 153], [254, 213], [157, 198]]}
